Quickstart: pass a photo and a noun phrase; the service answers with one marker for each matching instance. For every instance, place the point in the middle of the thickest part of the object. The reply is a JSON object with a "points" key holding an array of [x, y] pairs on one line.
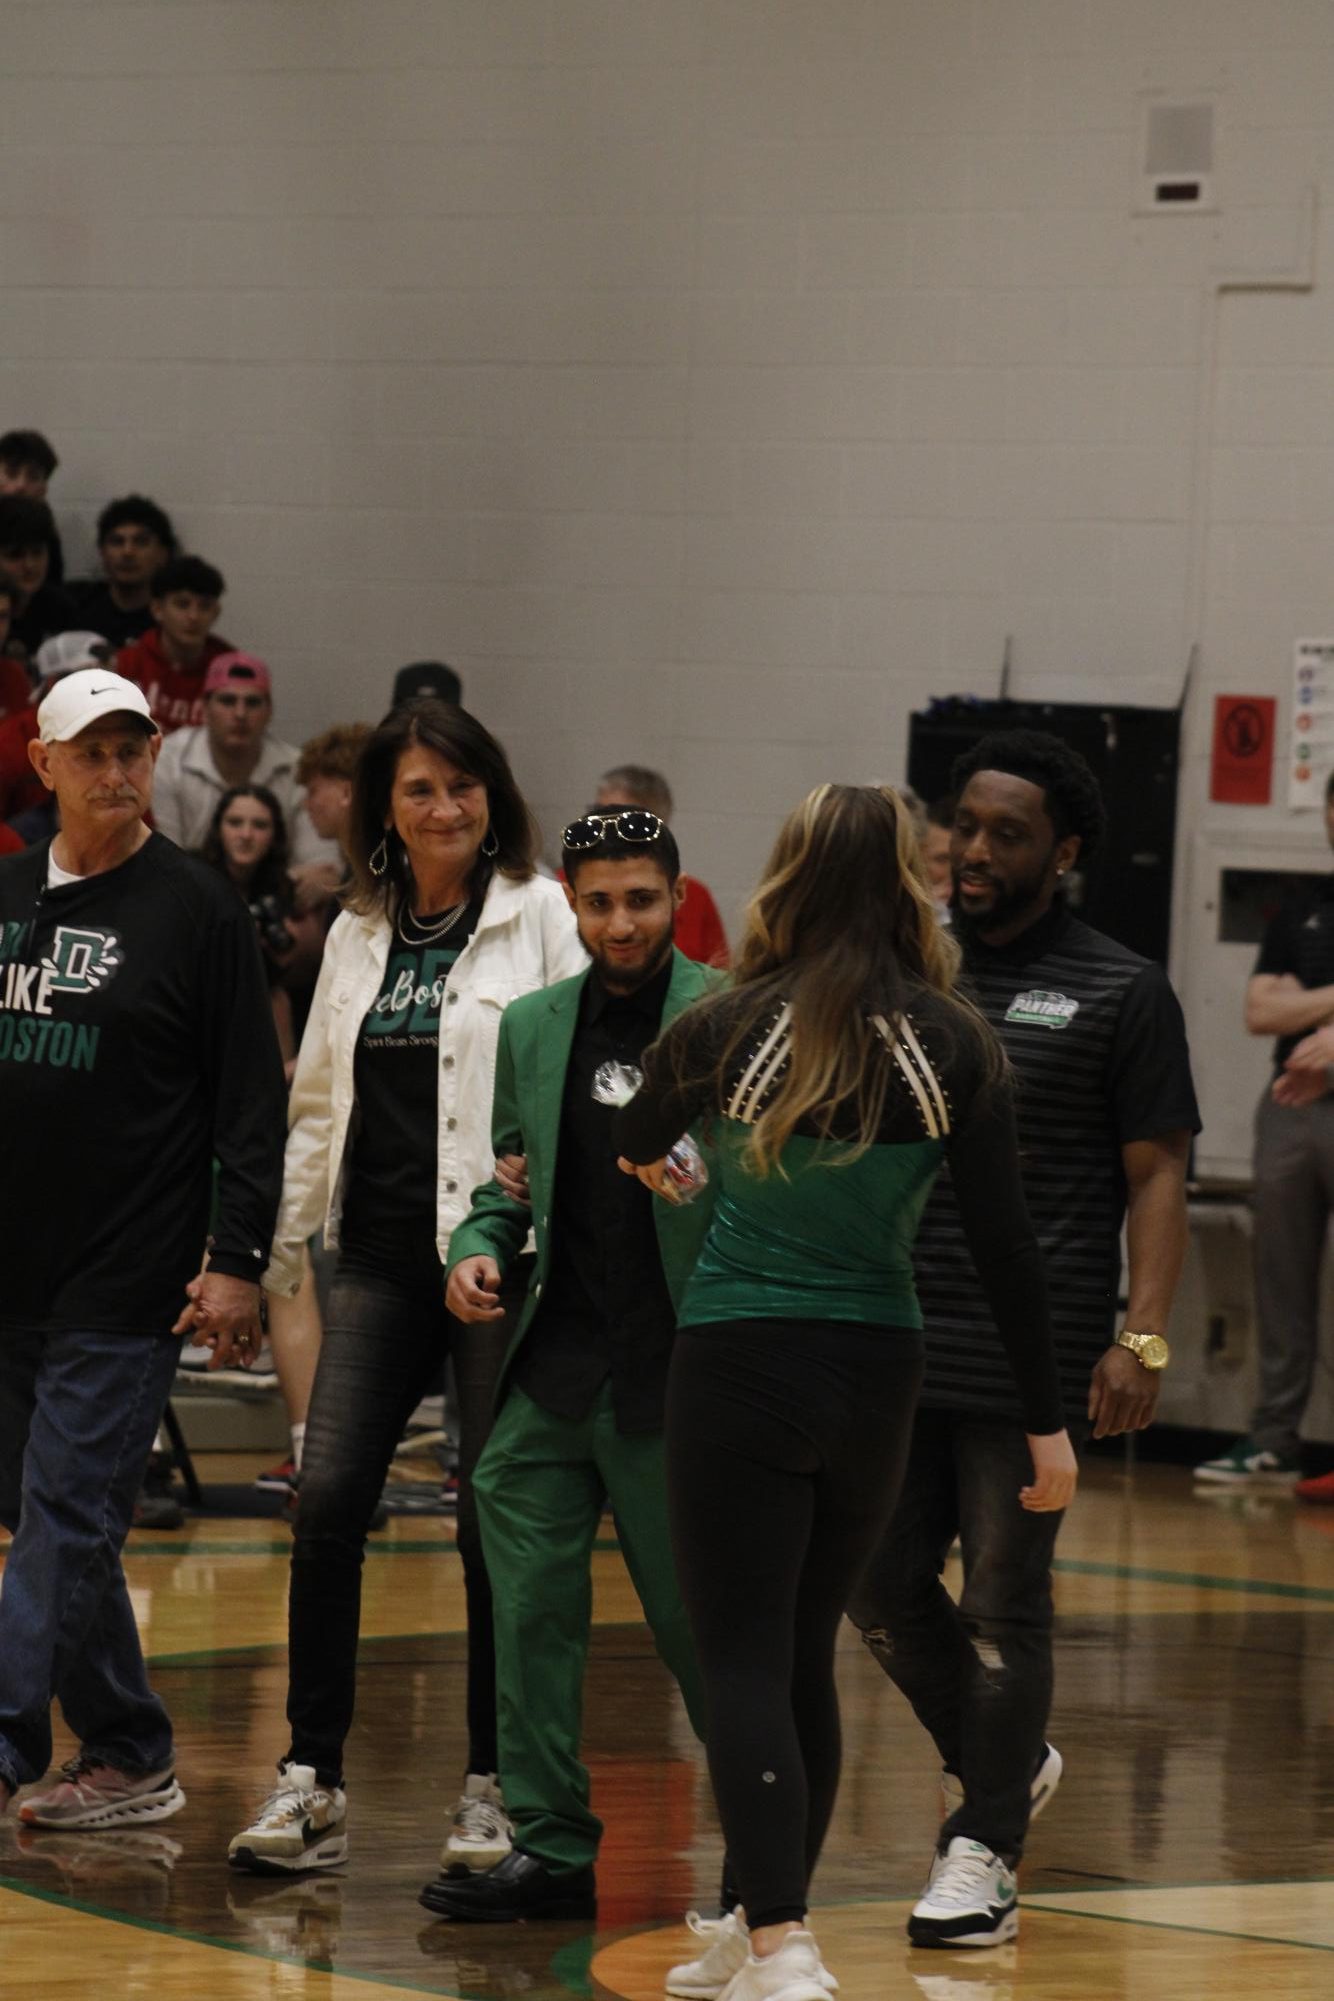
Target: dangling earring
{"points": [[378, 861], [494, 848]]}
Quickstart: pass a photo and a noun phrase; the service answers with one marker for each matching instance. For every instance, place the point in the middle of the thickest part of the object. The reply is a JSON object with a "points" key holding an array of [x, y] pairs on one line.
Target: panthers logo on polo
{"points": [[1040, 1008], [82, 961]]}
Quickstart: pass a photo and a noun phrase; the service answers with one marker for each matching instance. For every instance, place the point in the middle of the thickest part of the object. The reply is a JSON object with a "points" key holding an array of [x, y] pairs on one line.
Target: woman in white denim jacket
{"points": [[390, 1132]]}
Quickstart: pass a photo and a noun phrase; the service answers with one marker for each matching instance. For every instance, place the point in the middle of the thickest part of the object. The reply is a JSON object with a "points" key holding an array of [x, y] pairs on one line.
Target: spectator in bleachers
{"points": [[15, 681], [25, 803], [170, 661], [424, 679], [27, 461], [326, 768], [232, 746], [247, 842], [699, 928], [134, 539], [41, 608], [27, 464]]}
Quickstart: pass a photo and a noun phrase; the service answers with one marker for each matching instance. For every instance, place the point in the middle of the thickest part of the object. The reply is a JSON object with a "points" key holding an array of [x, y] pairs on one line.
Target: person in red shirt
{"points": [[699, 928], [170, 661], [15, 684], [23, 797]]}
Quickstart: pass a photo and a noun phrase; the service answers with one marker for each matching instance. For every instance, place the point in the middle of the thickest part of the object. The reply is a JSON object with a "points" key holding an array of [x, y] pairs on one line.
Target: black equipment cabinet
{"points": [[1134, 753]]}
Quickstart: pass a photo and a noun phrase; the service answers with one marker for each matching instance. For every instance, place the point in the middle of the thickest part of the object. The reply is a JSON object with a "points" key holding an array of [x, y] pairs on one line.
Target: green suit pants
{"points": [[541, 1485]]}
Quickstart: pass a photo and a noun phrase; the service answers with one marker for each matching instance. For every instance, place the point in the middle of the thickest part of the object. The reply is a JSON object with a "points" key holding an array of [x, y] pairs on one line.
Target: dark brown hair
{"points": [[270, 877], [470, 747]]}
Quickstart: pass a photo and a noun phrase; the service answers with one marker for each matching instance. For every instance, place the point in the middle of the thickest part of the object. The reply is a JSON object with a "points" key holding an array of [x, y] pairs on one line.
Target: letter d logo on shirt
{"points": [[82, 961]]}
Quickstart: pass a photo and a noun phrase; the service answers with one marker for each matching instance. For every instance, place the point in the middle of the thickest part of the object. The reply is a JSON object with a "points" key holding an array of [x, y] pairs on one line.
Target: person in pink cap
{"points": [[233, 746]]}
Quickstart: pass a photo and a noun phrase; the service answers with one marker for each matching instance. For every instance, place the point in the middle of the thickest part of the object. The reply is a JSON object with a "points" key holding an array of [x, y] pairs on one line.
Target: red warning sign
{"points": [[1242, 773]]}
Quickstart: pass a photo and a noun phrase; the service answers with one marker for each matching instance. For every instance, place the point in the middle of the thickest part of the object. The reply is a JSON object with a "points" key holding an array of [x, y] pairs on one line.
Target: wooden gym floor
{"points": [[1190, 1852]]}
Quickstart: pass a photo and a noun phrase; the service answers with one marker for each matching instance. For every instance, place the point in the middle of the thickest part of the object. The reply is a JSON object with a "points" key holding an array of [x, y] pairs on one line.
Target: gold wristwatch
{"points": [[1149, 1349]]}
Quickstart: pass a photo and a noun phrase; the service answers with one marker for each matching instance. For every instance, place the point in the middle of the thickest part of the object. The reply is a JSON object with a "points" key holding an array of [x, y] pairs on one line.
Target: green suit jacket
{"points": [[536, 1037]]}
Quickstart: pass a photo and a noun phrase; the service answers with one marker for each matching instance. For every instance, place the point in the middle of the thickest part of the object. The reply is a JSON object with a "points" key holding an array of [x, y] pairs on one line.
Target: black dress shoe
{"points": [[518, 1887]]}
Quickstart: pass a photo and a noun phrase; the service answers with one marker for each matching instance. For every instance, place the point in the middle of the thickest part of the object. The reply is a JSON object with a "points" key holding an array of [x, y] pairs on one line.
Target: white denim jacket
{"points": [[525, 939]]}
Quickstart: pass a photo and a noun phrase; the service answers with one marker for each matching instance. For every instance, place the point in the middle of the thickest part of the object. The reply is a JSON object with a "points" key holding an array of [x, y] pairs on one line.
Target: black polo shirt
{"points": [[1097, 1042], [1300, 941], [605, 1310]]}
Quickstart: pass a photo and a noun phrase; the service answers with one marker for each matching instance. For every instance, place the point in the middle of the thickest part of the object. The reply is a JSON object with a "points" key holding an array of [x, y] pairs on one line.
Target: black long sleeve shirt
{"points": [[136, 1047], [606, 1311]]}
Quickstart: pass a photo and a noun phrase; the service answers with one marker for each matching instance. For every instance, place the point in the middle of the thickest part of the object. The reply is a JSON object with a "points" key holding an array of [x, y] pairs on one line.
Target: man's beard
{"points": [[629, 979], [1015, 906]]}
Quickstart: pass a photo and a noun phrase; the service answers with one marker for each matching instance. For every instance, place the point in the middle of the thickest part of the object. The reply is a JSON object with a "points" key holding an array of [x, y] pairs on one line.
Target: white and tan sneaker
{"points": [[480, 1834], [301, 1825]]}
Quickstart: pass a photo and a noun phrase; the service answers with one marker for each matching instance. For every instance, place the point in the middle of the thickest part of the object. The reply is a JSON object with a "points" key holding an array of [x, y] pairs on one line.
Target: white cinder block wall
{"points": [[712, 381]]}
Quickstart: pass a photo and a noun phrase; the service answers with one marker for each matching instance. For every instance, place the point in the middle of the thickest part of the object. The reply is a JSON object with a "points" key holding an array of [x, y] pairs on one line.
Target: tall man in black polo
{"points": [[136, 1048], [1106, 1109], [580, 1407]]}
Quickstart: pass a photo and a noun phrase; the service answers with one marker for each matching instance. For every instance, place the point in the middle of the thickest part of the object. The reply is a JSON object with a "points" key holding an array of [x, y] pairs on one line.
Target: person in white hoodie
{"points": [[389, 1133]]}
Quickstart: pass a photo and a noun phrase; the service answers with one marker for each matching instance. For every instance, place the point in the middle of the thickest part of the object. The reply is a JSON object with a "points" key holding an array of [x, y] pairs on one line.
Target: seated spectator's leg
{"points": [[539, 1500], [91, 1407]]}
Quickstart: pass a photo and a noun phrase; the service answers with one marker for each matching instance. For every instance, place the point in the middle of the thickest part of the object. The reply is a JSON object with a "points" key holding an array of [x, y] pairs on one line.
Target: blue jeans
{"points": [[78, 1414], [978, 1674], [386, 1336]]}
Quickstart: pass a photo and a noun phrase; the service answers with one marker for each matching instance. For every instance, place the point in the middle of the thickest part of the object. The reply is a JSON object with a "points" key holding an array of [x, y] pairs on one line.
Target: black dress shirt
{"points": [[605, 1310]]}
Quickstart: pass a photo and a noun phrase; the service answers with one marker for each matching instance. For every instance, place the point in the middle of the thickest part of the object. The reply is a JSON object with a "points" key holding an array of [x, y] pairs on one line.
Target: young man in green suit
{"points": [[580, 1405]]}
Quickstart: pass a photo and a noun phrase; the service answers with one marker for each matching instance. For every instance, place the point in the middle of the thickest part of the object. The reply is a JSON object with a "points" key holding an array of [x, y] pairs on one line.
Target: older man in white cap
{"points": [[136, 1047]]}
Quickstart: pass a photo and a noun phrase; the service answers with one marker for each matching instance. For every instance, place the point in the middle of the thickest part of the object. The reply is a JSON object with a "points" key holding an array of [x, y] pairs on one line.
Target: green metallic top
{"points": [[818, 1241]]}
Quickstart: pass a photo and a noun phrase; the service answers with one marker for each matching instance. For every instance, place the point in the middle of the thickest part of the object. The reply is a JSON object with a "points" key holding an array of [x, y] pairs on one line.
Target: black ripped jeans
{"points": [[385, 1338], [978, 1674], [786, 1442]]}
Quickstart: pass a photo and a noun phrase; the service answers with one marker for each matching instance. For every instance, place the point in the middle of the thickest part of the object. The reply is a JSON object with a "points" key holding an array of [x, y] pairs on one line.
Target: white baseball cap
{"points": [[69, 651], [88, 696]]}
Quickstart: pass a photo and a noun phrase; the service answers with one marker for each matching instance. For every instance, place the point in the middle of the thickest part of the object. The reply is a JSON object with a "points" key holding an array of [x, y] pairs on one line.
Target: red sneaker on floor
{"points": [[1319, 1490], [278, 1479]]}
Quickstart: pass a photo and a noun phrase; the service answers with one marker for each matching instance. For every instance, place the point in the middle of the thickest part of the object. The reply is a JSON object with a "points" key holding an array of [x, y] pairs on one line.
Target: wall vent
{"points": [[1177, 161]]}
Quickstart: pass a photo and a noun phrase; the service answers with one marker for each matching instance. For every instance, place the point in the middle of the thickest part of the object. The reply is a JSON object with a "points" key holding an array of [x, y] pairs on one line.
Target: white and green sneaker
{"points": [[1247, 1464], [301, 1825], [970, 1899]]}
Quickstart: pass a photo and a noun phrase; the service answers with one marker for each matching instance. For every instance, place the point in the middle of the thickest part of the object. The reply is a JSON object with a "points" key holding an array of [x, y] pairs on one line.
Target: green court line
{"points": [[1064, 1566], [115, 1917], [135, 1550], [1175, 1925], [1251, 1587]]}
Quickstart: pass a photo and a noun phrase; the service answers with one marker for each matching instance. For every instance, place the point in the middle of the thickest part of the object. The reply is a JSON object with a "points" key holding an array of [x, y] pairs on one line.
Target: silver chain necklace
{"points": [[421, 935]]}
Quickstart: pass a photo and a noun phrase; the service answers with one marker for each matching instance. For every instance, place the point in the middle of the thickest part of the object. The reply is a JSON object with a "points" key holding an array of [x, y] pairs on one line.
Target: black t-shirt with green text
{"points": [[392, 1177], [136, 1044]]}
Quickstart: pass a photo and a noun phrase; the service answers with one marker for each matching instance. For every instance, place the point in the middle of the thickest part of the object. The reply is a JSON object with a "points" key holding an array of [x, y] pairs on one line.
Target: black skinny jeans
{"points": [[786, 1442], [386, 1334], [978, 1674]]}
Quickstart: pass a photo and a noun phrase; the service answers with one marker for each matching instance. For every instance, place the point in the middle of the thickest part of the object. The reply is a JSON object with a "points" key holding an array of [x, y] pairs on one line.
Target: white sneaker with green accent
{"points": [[301, 1825], [1045, 1781], [480, 1834], [970, 1899]]}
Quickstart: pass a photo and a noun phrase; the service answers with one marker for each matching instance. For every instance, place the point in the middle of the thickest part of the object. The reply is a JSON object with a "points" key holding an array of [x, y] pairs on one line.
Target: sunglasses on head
{"points": [[632, 824]]}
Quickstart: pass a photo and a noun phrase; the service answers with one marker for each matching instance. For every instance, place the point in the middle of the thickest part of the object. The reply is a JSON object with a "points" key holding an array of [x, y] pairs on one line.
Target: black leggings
{"points": [[786, 1444]]}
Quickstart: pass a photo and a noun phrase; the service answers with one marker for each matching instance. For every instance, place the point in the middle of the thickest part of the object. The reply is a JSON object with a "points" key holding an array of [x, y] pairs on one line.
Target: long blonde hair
{"points": [[841, 928]]}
